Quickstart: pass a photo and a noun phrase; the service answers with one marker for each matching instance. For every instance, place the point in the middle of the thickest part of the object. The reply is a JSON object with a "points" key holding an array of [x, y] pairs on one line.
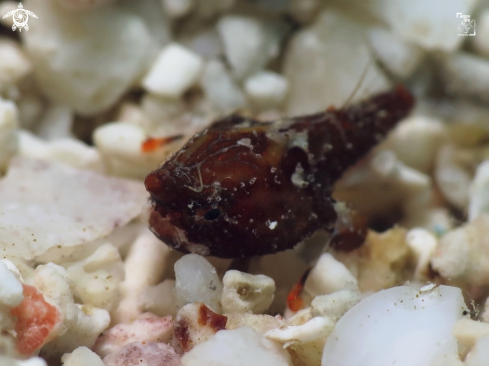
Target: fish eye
{"points": [[212, 214]]}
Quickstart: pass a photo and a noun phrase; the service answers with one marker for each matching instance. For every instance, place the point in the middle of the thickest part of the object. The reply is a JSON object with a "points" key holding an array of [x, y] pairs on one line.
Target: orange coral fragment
{"points": [[151, 144], [294, 301], [36, 319]]}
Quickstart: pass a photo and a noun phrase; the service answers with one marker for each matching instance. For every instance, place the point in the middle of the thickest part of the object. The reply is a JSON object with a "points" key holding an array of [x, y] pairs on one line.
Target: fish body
{"points": [[243, 188]]}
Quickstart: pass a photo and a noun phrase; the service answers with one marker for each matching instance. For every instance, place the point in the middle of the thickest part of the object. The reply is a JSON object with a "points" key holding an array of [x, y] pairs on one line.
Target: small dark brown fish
{"points": [[243, 188]]}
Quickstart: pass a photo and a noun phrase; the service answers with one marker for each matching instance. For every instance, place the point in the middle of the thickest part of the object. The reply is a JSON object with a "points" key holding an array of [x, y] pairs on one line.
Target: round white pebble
{"points": [[83, 61], [398, 326], [266, 88], [197, 281], [174, 71], [10, 287], [239, 347]]}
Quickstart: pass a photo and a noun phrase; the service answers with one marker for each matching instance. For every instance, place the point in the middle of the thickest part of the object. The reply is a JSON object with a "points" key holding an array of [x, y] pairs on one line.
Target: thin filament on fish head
{"points": [[201, 188]]}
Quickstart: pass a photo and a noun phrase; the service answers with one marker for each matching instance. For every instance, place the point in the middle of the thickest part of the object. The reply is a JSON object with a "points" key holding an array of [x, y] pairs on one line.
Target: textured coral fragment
{"points": [[36, 319]]}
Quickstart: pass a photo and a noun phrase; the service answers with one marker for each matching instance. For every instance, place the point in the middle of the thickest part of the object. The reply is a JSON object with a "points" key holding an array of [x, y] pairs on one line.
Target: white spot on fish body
{"points": [[271, 224], [301, 140], [297, 177], [245, 142]]}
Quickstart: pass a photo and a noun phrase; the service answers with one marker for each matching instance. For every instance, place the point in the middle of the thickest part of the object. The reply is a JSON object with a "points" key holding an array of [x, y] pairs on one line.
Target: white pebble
{"points": [[305, 335], [14, 64], [330, 43], [82, 356], [301, 317], [381, 262], [120, 144], [56, 123], [245, 292], [451, 258], [423, 321], [175, 70], [465, 119], [258, 322], [452, 177], [155, 19], [429, 134], [430, 24], [411, 178], [423, 244], [9, 123], [466, 75], [163, 113], [267, 89], [334, 305], [32, 146], [31, 108], [96, 278], [159, 299], [11, 291], [81, 325], [248, 44], [329, 275], [240, 347], [75, 153], [122, 138], [83, 61], [468, 331], [463, 253], [133, 113], [13, 268], [144, 266], [67, 150], [197, 281], [479, 355], [177, 8], [205, 42], [399, 57], [317, 327], [479, 192], [481, 41], [34, 361], [220, 88]]}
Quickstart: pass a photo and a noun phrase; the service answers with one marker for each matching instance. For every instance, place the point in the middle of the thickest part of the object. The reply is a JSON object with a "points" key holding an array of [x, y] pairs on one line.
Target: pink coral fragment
{"points": [[146, 328], [143, 354]]}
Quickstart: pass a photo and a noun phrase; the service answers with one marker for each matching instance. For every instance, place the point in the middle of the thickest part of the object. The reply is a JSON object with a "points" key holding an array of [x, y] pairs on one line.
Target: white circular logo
{"points": [[20, 18]]}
